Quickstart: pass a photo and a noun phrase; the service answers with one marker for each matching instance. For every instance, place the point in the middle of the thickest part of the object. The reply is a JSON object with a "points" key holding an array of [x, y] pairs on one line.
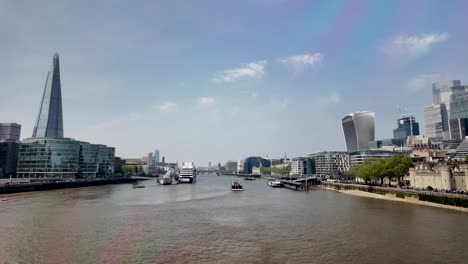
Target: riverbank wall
{"points": [[45, 186], [441, 200]]}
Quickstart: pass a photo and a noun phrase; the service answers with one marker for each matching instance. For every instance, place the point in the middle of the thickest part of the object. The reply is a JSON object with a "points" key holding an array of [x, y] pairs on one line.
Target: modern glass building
{"points": [[330, 163], [10, 131], [8, 157], [376, 144], [63, 158], [48, 158], [435, 121], [358, 130], [246, 165], [359, 157], [302, 166], [50, 120], [406, 126]]}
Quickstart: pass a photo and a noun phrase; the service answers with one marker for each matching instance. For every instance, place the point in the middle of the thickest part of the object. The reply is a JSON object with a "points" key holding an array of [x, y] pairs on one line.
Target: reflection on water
{"points": [[206, 222]]}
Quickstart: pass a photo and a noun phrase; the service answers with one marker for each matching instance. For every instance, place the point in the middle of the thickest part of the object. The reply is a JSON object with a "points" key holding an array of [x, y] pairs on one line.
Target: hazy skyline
{"points": [[222, 80]]}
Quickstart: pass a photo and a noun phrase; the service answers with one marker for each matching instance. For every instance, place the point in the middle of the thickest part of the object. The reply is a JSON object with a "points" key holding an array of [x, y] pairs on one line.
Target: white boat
{"points": [[167, 178], [275, 183], [188, 173]]}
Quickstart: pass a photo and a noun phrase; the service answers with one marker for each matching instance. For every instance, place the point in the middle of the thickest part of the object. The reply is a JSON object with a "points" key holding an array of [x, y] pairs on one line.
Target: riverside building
{"points": [[331, 163]]}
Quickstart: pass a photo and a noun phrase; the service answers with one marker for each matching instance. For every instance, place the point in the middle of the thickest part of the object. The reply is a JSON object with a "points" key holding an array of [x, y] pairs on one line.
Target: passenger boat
{"points": [[275, 183], [138, 186], [188, 173], [236, 186], [249, 178]]}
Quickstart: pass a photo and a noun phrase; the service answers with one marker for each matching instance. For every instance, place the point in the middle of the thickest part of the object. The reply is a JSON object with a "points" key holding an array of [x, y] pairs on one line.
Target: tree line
{"points": [[275, 170], [392, 167]]}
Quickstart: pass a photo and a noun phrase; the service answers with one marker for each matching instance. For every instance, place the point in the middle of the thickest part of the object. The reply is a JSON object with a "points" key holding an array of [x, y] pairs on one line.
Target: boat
{"points": [[188, 173], [138, 186], [236, 186], [167, 178], [249, 178], [275, 183]]}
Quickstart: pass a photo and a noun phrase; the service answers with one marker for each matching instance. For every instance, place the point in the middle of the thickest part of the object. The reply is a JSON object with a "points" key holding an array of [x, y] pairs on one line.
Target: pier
{"points": [[300, 184]]}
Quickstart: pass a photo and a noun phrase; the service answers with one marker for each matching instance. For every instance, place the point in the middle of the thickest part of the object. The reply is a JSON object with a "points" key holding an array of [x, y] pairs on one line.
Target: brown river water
{"points": [[207, 223]]}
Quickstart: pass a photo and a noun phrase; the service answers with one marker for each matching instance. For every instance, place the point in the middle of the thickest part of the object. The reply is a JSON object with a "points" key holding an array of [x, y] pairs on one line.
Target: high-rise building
{"points": [[435, 121], [156, 155], [48, 154], [358, 129], [439, 115], [10, 131], [231, 166], [406, 126], [50, 120]]}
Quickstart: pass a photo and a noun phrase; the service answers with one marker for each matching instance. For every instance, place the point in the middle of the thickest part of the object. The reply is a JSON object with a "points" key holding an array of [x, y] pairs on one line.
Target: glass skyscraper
{"points": [[50, 120], [406, 126], [358, 129]]}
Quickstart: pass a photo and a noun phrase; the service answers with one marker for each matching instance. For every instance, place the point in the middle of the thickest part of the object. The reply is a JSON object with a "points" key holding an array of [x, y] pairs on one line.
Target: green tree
{"points": [[2, 174], [127, 169]]}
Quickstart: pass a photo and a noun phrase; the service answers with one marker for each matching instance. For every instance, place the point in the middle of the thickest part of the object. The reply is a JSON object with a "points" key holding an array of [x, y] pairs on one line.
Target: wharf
{"points": [[45, 186], [300, 184]]}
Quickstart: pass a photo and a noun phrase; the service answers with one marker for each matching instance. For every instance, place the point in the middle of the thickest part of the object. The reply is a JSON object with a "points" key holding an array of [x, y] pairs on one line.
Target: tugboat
{"points": [[275, 183], [236, 186]]}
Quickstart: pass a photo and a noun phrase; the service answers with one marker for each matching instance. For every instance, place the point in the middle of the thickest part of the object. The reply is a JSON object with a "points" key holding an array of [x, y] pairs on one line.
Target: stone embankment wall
{"points": [[409, 195]]}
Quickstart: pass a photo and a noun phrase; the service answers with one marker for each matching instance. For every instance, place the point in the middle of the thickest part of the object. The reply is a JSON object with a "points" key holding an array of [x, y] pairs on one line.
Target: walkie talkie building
{"points": [[358, 129]]}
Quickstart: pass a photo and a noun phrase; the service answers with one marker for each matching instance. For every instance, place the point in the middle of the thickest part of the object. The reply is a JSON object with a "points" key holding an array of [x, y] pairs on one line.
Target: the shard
{"points": [[50, 121]]}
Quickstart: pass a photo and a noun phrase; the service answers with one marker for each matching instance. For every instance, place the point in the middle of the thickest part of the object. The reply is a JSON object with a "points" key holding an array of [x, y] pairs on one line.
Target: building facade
{"points": [[435, 121], [377, 144], [359, 157], [230, 167], [358, 130], [301, 166], [250, 162], [10, 131], [331, 163], [63, 158], [406, 126], [8, 157], [50, 119]]}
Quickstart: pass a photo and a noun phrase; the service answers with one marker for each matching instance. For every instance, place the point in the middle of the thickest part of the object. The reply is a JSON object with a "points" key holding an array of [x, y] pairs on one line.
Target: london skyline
{"points": [[199, 83]]}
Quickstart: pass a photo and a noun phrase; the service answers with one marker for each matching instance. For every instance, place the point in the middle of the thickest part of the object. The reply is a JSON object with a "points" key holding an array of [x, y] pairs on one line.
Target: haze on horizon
{"points": [[222, 80]]}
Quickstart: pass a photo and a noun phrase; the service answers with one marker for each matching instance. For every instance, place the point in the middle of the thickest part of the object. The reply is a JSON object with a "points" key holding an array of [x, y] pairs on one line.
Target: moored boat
{"points": [[188, 173], [275, 183]]}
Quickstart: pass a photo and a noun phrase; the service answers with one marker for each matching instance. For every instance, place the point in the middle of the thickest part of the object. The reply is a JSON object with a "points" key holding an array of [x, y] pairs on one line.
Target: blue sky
{"points": [[221, 80]]}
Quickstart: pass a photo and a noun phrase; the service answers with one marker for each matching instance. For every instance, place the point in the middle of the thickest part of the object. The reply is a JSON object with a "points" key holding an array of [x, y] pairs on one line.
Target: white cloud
{"points": [[302, 62], [425, 81], [206, 100], [332, 98], [250, 70], [414, 44], [167, 107]]}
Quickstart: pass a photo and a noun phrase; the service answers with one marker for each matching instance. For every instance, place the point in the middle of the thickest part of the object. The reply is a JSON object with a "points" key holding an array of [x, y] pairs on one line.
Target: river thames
{"points": [[207, 223]]}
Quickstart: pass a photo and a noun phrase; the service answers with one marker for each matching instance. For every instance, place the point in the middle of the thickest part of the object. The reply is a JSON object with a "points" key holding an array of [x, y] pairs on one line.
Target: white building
{"points": [[331, 163], [301, 166]]}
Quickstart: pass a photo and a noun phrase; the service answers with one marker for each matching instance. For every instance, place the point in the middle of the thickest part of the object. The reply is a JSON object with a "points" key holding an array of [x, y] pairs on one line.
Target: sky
{"points": [[214, 80]]}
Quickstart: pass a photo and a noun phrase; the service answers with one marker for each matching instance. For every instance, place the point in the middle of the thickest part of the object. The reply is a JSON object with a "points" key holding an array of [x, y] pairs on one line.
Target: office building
{"points": [[64, 158], [301, 166], [331, 163], [381, 143], [359, 157], [440, 120], [358, 129], [50, 120], [10, 131], [8, 157], [246, 165], [435, 121], [156, 155], [406, 126]]}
